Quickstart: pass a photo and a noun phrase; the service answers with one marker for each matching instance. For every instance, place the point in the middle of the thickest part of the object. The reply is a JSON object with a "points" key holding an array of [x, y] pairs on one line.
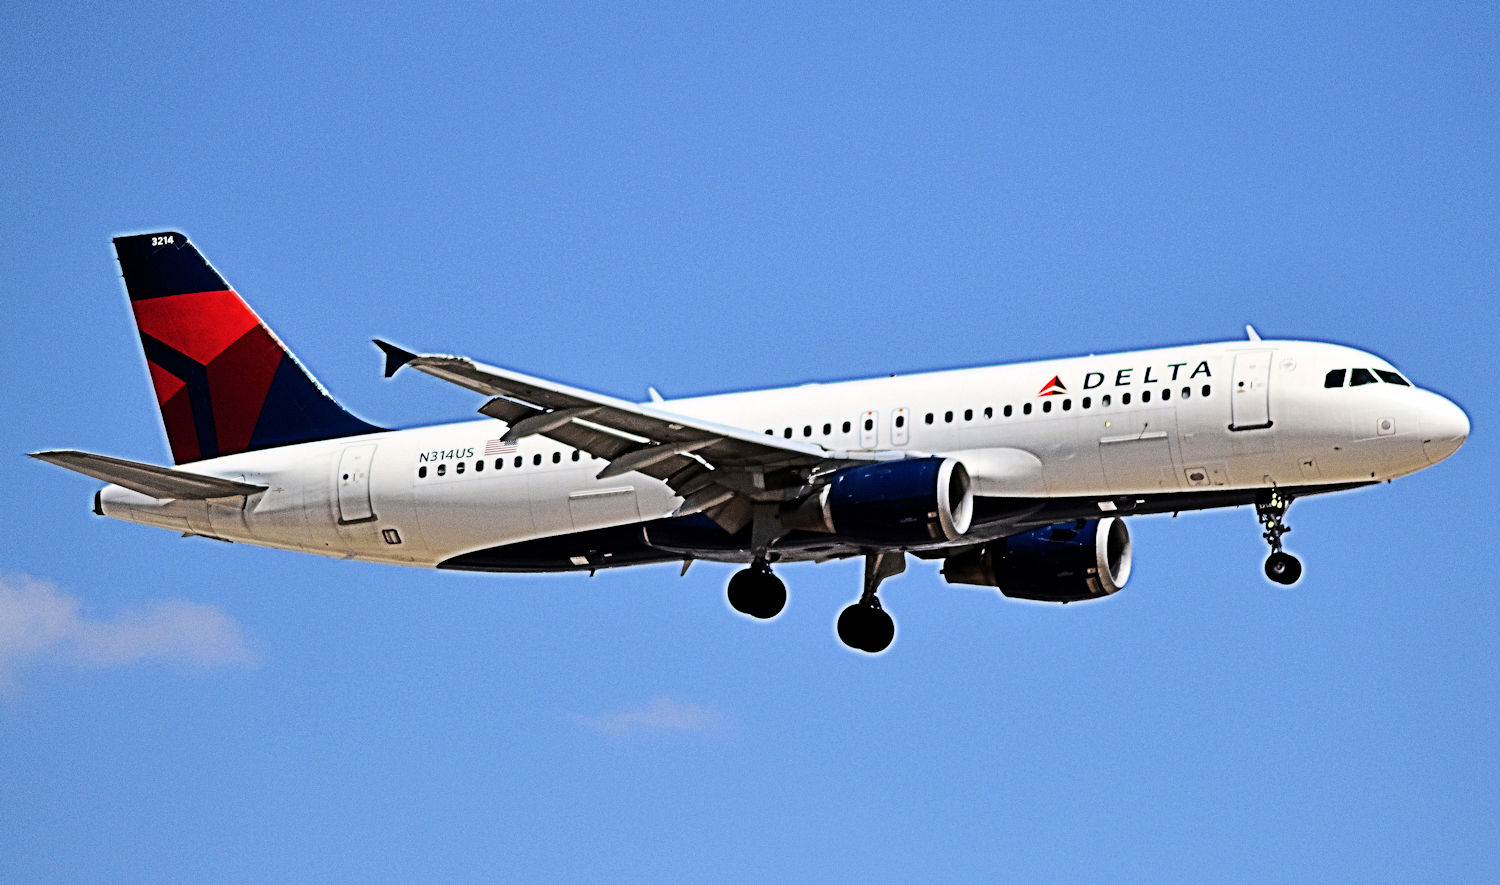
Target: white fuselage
{"points": [[1237, 415]]}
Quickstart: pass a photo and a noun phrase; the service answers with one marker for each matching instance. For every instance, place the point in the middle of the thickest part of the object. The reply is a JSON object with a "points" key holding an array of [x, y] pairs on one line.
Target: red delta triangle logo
{"points": [[1055, 387]]}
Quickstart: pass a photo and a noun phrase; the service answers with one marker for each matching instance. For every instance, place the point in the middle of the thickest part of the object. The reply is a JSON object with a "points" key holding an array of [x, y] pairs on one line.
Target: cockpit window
{"points": [[1361, 376], [1335, 378], [1392, 378]]}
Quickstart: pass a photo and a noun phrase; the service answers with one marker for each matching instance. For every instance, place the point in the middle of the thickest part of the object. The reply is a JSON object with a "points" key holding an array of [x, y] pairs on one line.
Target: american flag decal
{"points": [[496, 447]]}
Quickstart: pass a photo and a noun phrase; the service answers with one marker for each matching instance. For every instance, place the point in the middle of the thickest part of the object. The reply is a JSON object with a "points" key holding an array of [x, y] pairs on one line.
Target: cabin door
{"points": [[1250, 391], [354, 483]]}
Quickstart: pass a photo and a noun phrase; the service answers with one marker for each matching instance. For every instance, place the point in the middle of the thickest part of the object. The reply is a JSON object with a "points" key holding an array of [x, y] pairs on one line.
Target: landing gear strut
{"points": [[865, 625], [756, 592], [1281, 567]]}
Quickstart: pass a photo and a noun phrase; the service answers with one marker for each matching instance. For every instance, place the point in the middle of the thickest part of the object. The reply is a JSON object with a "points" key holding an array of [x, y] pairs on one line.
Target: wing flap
{"points": [[148, 479]]}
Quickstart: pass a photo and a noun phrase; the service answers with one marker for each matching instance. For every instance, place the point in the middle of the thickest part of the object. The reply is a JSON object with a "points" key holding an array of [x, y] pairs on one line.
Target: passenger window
{"points": [[947, 417], [1008, 411], [1145, 396], [807, 430], [968, 414], [459, 467], [575, 454], [442, 469], [1046, 405], [557, 457], [770, 432], [422, 472], [869, 423], [989, 412], [1124, 399], [900, 420], [928, 419], [499, 463], [1207, 389], [787, 433], [846, 426], [537, 459], [1026, 409], [1187, 392], [479, 466], [1335, 378], [1392, 378], [1087, 401], [1166, 394], [1104, 401], [1358, 377], [827, 429], [1067, 404], [519, 461]]}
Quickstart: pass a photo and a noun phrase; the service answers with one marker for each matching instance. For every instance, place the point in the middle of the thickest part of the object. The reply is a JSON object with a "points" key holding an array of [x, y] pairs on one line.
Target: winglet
{"points": [[395, 357]]}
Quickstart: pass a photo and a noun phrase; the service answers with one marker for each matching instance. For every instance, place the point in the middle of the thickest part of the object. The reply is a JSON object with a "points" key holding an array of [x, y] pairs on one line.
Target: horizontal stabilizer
{"points": [[148, 479]]}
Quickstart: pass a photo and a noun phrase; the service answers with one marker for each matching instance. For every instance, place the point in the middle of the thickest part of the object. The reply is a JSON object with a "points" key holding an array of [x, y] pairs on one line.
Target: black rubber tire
{"points": [[866, 628], [882, 631], [742, 591], [771, 593], [759, 594], [852, 626], [1283, 568]]}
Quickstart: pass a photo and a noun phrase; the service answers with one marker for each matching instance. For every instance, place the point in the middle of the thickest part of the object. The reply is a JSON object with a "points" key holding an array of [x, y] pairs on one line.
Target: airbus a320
{"points": [[1016, 477]]}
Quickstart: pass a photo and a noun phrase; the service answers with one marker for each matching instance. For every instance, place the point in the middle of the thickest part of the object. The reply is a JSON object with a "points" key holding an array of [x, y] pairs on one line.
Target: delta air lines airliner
{"points": [[1017, 477]]}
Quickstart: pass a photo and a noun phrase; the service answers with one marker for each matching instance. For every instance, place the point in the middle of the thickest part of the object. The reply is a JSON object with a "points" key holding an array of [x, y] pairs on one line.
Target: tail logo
{"points": [[224, 382], [212, 364]]}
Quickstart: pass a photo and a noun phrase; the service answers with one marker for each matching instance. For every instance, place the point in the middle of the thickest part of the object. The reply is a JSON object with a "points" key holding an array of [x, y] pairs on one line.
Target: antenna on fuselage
{"points": [[1250, 331]]}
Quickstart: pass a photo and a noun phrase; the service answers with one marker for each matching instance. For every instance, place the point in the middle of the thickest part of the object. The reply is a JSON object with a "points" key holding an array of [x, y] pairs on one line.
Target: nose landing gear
{"points": [[1281, 567]]}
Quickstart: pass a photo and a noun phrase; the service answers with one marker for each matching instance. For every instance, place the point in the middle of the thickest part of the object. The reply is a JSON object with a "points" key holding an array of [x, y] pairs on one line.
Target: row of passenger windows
{"points": [[518, 462], [1358, 377], [988, 412]]}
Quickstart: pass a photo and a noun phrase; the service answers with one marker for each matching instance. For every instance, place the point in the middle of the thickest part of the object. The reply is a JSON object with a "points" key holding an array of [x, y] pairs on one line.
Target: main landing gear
{"points": [[1281, 566], [865, 625], [756, 592]]}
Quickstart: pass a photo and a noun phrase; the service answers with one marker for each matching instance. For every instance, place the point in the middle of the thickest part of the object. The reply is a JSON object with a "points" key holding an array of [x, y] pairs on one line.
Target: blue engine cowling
{"points": [[911, 501], [1066, 562]]}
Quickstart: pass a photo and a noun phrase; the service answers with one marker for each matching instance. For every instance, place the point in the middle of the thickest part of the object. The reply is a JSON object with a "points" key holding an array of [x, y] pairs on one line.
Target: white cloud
{"points": [[660, 716], [39, 623]]}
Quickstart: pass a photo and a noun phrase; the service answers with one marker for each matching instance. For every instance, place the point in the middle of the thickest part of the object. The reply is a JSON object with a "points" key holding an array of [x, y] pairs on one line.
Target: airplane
{"points": [[1017, 477]]}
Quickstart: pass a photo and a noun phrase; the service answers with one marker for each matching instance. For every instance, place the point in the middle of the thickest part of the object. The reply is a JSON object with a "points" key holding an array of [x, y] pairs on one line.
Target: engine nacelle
{"points": [[1066, 562], [911, 501]]}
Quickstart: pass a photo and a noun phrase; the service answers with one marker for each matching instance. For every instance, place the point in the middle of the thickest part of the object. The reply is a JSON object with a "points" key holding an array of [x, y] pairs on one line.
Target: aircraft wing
{"points": [[148, 479], [715, 468]]}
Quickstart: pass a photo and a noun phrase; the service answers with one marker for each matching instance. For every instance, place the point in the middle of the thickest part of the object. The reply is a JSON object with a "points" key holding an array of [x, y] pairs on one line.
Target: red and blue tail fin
{"points": [[225, 383]]}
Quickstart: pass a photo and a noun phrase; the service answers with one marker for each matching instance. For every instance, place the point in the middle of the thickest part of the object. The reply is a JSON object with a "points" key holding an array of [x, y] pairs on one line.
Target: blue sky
{"points": [[710, 199]]}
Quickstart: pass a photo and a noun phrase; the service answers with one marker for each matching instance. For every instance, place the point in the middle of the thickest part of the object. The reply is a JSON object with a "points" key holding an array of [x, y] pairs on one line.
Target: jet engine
{"points": [[1066, 562], [911, 501]]}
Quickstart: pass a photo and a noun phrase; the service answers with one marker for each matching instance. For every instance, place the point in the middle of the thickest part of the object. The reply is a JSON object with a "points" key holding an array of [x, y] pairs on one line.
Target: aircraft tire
{"points": [[866, 628], [1283, 568], [757, 593]]}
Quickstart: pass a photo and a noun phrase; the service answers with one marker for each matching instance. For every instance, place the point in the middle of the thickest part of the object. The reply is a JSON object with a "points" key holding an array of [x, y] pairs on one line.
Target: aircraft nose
{"points": [[1444, 429]]}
